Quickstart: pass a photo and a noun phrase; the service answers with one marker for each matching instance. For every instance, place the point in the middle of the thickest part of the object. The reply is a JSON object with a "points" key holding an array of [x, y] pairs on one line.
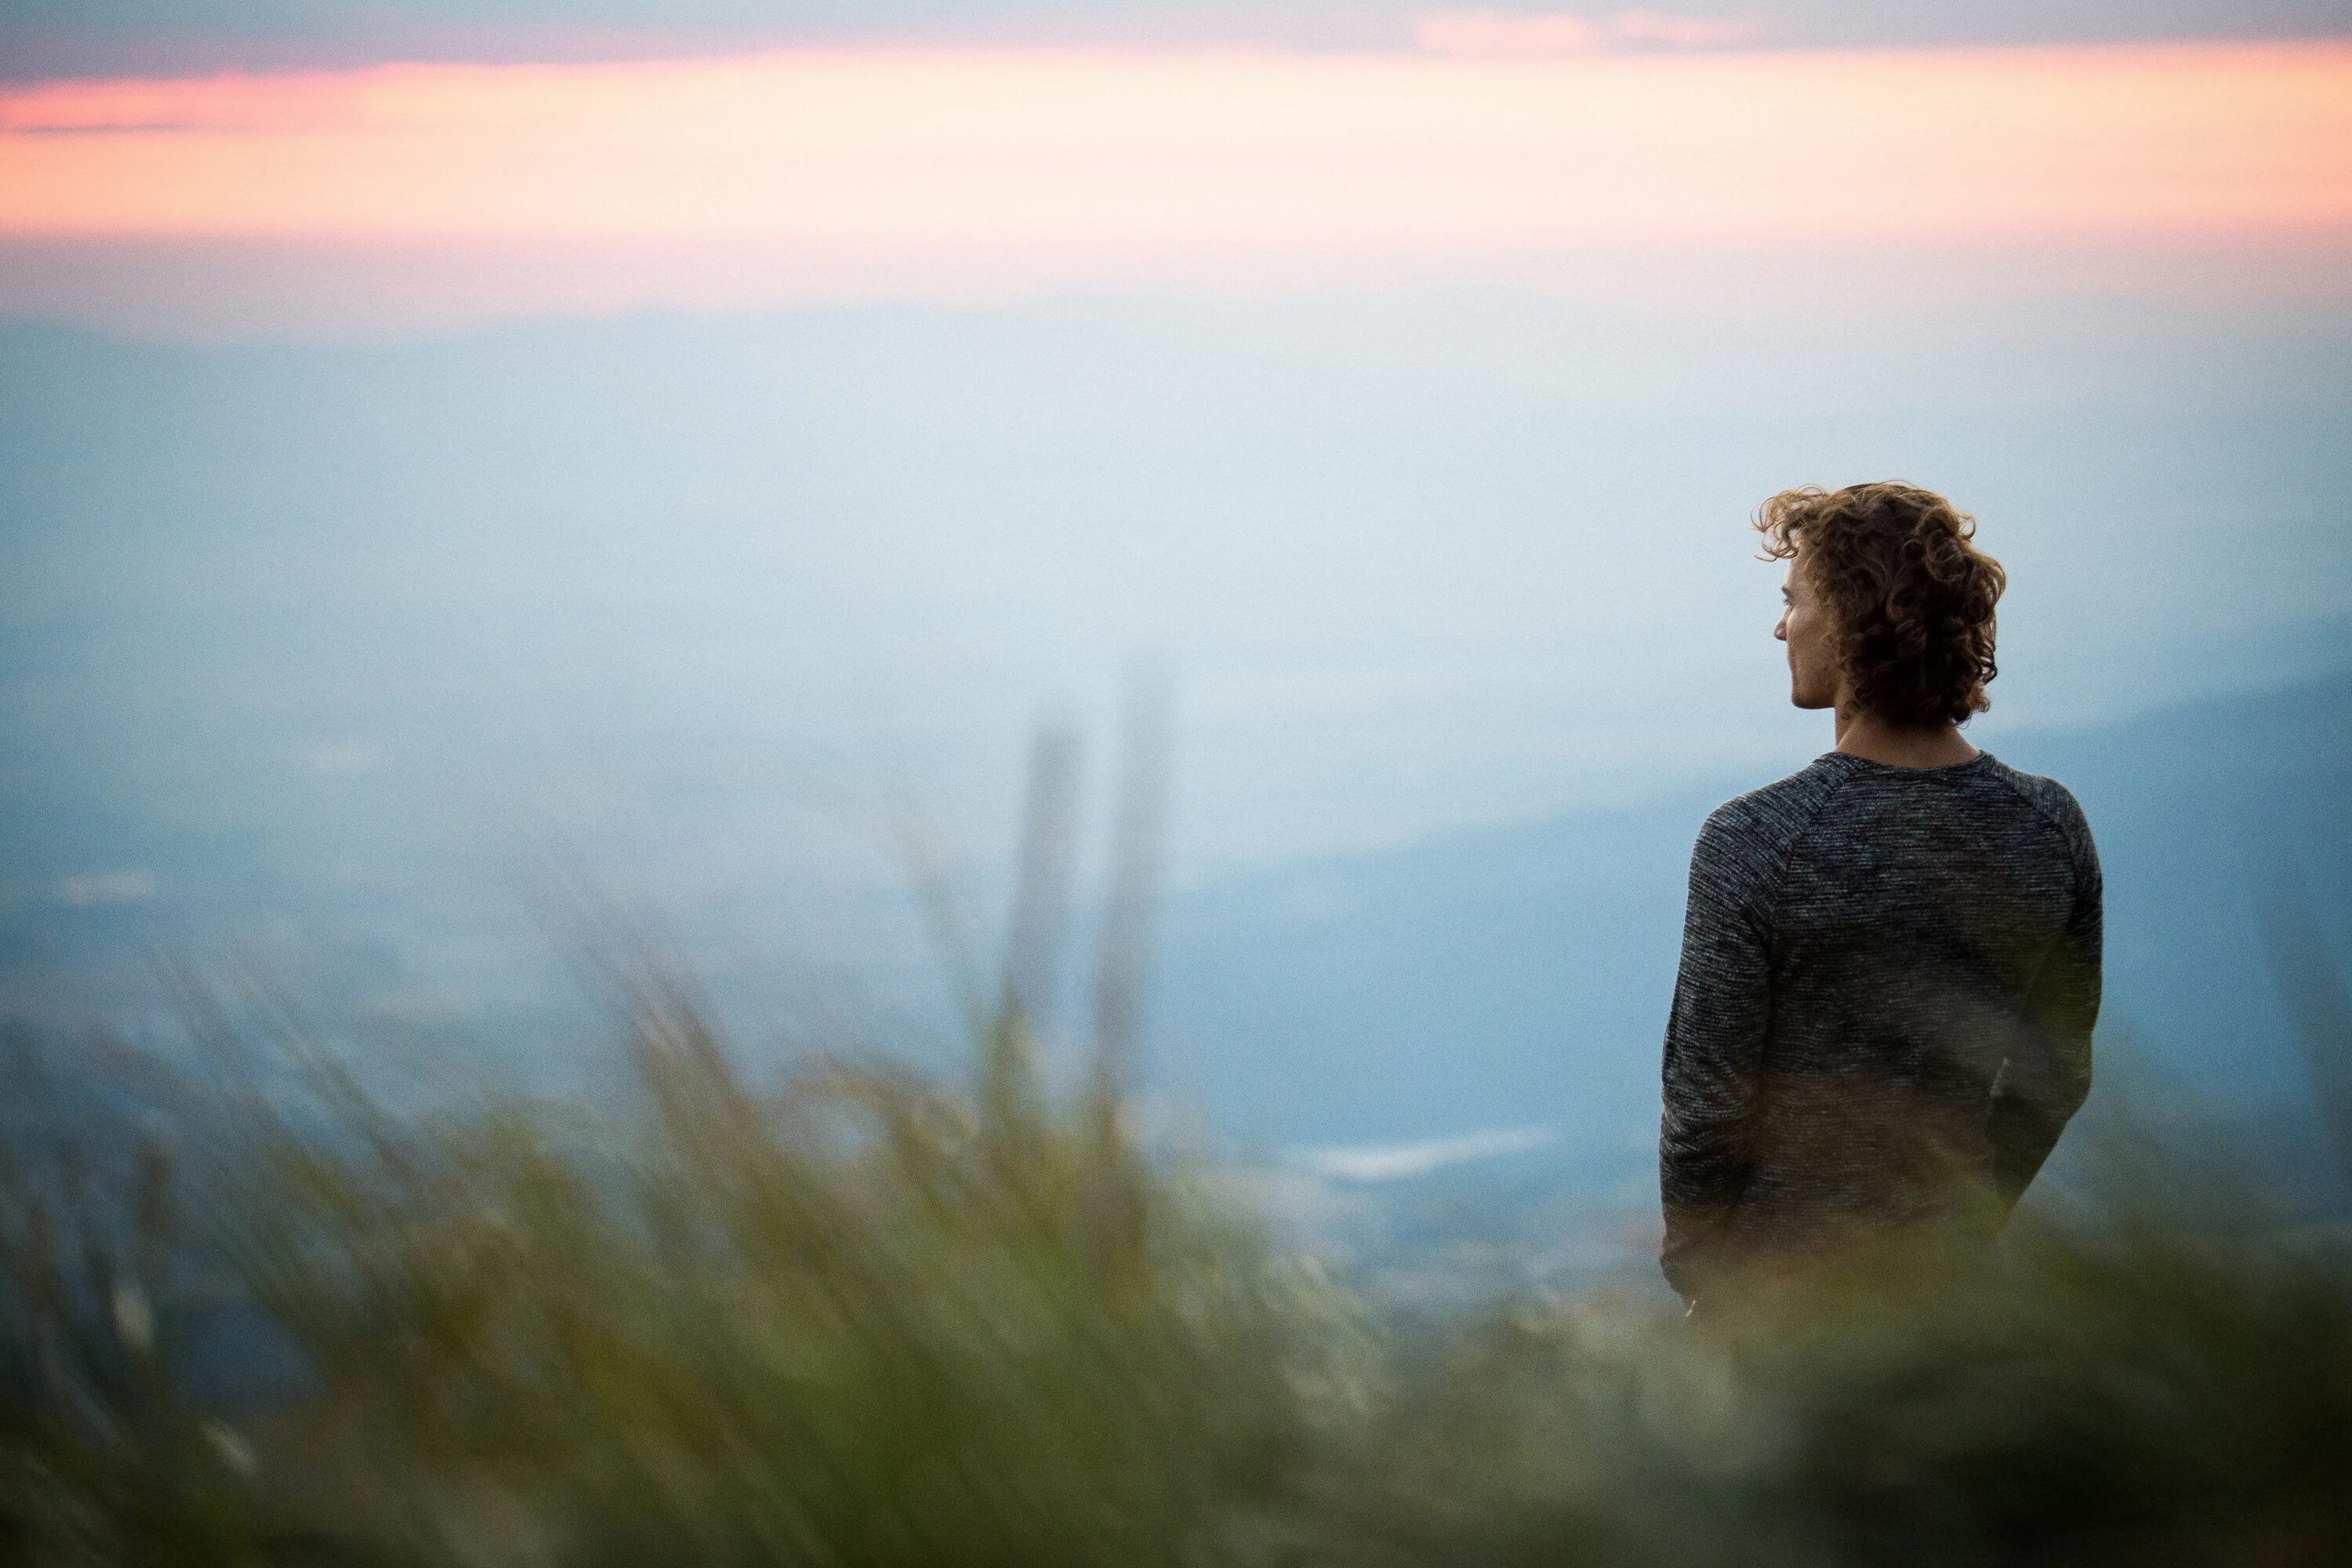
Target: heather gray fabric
{"points": [[1889, 978]]}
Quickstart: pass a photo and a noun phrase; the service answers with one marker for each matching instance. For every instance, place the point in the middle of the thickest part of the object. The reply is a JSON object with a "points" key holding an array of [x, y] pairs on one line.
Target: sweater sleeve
{"points": [[2035, 1098], [1715, 1041]]}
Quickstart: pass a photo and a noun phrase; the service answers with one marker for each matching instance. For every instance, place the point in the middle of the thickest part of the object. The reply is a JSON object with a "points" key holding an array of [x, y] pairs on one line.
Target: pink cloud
{"points": [[1498, 33], [1505, 33], [1689, 32]]}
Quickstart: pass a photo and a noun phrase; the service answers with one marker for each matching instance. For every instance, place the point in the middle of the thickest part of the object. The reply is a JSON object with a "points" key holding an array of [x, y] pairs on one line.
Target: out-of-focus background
{"points": [[692, 450]]}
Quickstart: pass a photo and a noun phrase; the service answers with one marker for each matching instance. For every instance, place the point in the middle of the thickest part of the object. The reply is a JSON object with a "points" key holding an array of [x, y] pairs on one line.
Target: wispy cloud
{"points": [[1509, 33]]}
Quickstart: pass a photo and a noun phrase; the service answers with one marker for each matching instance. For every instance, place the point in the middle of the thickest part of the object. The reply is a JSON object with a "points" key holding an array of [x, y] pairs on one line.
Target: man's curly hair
{"points": [[1911, 597]]}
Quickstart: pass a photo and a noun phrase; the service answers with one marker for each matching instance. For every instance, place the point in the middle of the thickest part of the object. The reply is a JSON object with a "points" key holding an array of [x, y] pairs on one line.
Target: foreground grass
{"points": [[864, 1318]]}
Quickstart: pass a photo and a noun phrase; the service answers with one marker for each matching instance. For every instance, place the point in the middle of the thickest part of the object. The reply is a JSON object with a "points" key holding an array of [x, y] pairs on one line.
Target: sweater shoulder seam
{"points": [[2050, 819], [1785, 852]]}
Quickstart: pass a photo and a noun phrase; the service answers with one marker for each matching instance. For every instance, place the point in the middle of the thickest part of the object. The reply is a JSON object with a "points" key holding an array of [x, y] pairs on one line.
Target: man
{"points": [[1890, 963]]}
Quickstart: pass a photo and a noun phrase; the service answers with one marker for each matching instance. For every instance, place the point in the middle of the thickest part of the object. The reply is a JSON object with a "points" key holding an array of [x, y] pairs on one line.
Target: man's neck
{"points": [[1868, 736]]}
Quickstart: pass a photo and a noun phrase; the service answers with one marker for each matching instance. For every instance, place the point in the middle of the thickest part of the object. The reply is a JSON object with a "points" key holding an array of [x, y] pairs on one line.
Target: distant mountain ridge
{"points": [[1520, 976]]}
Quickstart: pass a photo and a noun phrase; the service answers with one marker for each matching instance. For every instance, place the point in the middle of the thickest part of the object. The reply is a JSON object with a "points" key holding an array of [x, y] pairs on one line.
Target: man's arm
{"points": [[1715, 1044], [2032, 1105]]}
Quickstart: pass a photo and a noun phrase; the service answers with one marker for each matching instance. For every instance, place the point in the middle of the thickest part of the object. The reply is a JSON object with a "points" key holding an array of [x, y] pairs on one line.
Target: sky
{"points": [[425, 427], [82, 36], [1562, 151]]}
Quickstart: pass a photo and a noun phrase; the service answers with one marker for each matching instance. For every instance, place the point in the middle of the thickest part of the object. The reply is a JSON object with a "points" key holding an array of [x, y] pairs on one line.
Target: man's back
{"points": [[1883, 1016]]}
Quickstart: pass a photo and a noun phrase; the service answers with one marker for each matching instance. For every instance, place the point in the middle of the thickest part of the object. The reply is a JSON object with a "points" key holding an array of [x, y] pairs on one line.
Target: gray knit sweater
{"points": [[1889, 977]]}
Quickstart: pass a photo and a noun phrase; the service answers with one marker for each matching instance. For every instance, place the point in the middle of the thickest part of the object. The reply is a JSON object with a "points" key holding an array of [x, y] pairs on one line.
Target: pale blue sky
{"points": [[1415, 560]]}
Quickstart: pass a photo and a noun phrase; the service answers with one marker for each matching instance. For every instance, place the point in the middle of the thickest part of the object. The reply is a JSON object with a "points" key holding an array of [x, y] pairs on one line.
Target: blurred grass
{"points": [[863, 1317]]}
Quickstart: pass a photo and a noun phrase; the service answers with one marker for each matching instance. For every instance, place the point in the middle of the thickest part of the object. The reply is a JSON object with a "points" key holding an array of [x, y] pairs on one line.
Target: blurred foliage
{"points": [[862, 1318], [261, 1314]]}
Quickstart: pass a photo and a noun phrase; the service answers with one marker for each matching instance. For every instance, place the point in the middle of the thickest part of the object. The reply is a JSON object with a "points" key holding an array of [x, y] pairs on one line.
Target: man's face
{"points": [[1813, 678]]}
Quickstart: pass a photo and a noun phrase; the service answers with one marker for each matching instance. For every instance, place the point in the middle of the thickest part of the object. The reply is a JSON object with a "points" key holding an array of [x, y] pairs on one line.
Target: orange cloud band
{"points": [[903, 153]]}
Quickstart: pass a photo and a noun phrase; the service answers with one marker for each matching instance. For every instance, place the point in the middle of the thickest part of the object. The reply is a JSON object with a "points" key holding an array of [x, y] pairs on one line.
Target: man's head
{"points": [[1889, 605]]}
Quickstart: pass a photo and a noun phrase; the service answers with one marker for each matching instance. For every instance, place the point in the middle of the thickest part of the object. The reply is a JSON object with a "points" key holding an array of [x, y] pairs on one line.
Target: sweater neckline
{"points": [[1941, 770]]}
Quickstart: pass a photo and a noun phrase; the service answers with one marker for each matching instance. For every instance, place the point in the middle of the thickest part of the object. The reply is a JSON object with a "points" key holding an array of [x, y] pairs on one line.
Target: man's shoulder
{"points": [[1763, 821], [1781, 807], [2054, 801], [2040, 789]]}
